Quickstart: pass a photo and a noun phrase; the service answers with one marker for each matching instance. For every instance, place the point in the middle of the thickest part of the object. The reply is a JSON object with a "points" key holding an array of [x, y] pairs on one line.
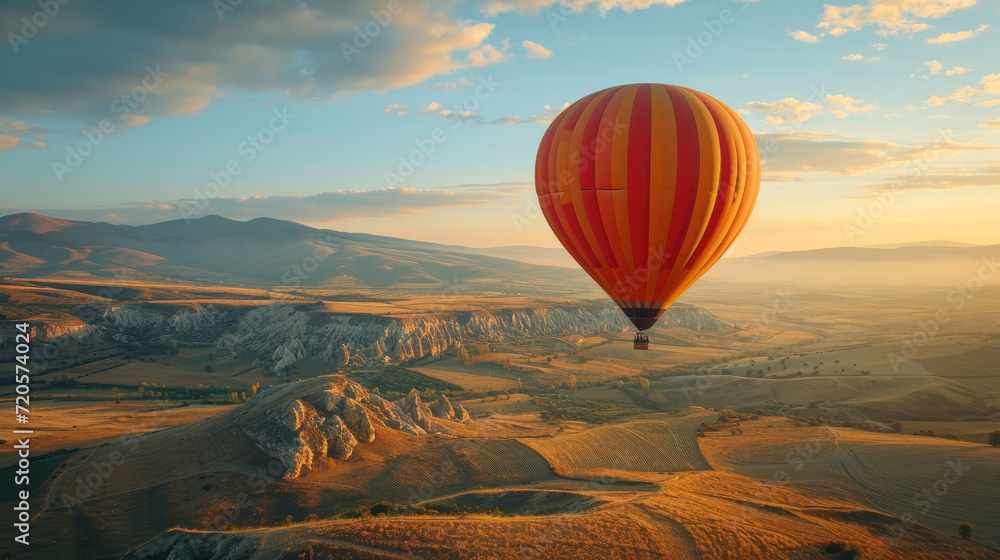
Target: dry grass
{"points": [[648, 445], [136, 373], [61, 424]]}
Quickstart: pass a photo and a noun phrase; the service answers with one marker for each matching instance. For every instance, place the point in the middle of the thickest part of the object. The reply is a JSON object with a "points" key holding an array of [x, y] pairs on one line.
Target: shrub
{"points": [[383, 508], [995, 438], [965, 530]]}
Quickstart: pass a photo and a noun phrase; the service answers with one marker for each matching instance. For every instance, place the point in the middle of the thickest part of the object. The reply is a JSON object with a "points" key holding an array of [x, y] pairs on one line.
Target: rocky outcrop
{"points": [[180, 544], [462, 415], [328, 420], [442, 408], [344, 357], [412, 406], [278, 336]]}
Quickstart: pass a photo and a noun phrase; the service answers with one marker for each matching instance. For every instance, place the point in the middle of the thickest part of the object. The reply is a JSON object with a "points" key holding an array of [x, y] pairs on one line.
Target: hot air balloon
{"points": [[647, 186]]}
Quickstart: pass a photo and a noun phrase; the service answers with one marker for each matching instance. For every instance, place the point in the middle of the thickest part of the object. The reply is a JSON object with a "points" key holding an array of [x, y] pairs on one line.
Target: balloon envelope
{"points": [[647, 185]]}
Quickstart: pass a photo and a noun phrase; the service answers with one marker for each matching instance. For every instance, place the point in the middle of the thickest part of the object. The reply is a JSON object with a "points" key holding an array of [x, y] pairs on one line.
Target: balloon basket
{"points": [[641, 342]]}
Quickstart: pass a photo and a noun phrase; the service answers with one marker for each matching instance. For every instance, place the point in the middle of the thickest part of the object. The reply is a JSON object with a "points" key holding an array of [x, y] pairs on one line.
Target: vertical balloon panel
{"points": [[647, 186]]}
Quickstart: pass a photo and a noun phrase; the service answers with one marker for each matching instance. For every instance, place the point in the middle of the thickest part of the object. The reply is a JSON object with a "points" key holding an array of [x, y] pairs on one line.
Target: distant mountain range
{"points": [[263, 251], [270, 252]]}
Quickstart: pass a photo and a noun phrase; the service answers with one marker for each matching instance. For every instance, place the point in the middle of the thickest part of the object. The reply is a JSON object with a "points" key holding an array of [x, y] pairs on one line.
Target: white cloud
{"points": [[492, 8], [304, 50], [892, 17], [957, 71], [989, 85], [879, 46], [946, 38], [786, 110], [395, 108], [991, 124], [845, 105], [803, 36], [135, 120], [449, 86], [946, 177], [802, 152], [430, 108], [932, 68], [548, 116], [535, 50], [858, 57], [325, 207], [8, 141], [488, 54], [449, 115]]}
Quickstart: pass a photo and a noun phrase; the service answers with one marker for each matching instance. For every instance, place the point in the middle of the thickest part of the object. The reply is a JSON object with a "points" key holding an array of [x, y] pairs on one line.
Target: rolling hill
{"points": [[262, 252]]}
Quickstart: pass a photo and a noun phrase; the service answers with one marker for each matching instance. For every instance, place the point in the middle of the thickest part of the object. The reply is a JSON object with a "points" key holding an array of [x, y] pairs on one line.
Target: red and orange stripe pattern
{"points": [[647, 185]]}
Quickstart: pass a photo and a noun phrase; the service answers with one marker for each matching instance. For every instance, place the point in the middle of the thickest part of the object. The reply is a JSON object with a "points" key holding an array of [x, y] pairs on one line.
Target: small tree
{"points": [[965, 530], [995, 438], [572, 382]]}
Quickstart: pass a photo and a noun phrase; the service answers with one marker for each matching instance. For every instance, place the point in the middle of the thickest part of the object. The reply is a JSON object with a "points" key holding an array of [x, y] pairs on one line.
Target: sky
{"points": [[878, 122]]}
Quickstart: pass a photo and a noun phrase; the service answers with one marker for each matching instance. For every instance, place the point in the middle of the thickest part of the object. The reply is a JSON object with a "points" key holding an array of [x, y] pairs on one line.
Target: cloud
{"points": [[989, 85], [435, 109], [548, 116], [858, 57], [958, 70], [989, 103], [298, 49], [892, 17], [135, 120], [803, 36], [493, 8], [488, 54], [535, 50], [325, 207], [948, 178], [991, 124], [932, 67], [879, 46], [517, 184], [946, 38], [781, 178], [449, 115], [8, 141], [846, 105], [788, 109], [811, 152], [14, 133], [396, 108], [430, 108], [450, 86]]}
